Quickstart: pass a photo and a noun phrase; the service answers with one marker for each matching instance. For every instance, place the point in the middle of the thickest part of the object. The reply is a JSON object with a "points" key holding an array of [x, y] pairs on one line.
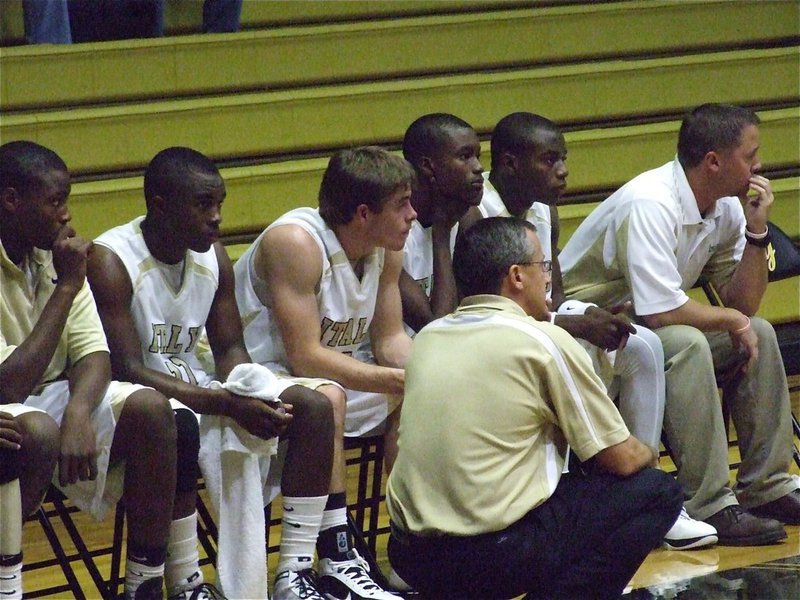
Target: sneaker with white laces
{"points": [[297, 585], [350, 580], [204, 591], [688, 533]]}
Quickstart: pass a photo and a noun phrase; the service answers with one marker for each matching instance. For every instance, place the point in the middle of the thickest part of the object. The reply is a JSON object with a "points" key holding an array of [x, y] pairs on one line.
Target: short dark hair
{"points": [[712, 127], [168, 171], [428, 133], [514, 134], [486, 250], [364, 175], [22, 164]]}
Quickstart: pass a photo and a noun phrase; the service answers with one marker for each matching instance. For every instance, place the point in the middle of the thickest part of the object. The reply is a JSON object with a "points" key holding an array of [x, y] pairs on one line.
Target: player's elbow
{"points": [[126, 369], [303, 363]]}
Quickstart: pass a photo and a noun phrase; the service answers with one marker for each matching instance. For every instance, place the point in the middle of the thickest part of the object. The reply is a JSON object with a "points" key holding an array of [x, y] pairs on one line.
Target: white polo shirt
{"points": [[649, 243]]}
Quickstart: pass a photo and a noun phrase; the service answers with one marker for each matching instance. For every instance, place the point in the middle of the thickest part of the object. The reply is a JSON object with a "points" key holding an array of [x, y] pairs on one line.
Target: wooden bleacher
{"points": [[303, 79]]}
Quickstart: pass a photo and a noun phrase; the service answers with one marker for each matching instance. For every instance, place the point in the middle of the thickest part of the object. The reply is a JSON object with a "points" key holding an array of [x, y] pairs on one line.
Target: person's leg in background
{"points": [[221, 16], [46, 22]]}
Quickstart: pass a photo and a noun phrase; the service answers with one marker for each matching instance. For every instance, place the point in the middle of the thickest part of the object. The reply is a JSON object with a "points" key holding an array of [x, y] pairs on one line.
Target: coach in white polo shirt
{"points": [[703, 215]]}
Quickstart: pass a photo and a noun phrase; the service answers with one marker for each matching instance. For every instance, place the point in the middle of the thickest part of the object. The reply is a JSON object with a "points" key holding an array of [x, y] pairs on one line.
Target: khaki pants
{"points": [[693, 419]]}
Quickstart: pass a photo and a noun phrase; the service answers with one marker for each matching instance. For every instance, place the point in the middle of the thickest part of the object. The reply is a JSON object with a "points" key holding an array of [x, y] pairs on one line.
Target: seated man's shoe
{"points": [[204, 591], [737, 527], [785, 509], [687, 533], [297, 585], [350, 580]]}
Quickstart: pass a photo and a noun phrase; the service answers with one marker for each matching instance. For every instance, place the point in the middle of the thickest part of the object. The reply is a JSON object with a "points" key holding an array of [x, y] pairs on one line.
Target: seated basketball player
{"points": [[445, 153], [160, 281], [312, 289]]}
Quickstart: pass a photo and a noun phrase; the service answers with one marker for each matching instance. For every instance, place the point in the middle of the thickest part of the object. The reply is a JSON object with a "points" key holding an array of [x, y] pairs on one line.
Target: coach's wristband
{"points": [[742, 329], [760, 240]]}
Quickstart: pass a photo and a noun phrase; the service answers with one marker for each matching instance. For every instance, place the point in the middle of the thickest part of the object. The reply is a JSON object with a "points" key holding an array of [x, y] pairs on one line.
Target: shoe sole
{"points": [[690, 543], [764, 539]]}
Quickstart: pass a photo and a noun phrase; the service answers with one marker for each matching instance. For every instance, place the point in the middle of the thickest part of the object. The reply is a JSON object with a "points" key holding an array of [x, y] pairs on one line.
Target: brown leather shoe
{"points": [[785, 509], [737, 527]]}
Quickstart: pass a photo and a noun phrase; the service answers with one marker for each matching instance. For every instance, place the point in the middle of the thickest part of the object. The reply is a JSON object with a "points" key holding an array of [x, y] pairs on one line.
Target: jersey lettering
{"points": [[174, 347], [159, 338], [194, 337], [340, 333], [168, 343]]}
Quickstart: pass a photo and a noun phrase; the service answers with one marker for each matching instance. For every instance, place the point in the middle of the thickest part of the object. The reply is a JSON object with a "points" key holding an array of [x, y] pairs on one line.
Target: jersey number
{"points": [[180, 368]]}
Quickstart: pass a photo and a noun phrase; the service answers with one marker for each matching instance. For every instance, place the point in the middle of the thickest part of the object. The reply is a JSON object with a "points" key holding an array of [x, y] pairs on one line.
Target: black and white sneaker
{"points": [[350, 580], [688, 534], [297, 585]]}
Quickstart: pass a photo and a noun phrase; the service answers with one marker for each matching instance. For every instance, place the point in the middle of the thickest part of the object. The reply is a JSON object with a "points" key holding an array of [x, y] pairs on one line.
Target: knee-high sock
{"points": [[11, 540], [182, 569], [301, 520]]}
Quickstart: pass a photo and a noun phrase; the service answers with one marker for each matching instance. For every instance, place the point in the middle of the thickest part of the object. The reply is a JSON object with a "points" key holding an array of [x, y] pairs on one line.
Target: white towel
{"points": [[230, 459]]}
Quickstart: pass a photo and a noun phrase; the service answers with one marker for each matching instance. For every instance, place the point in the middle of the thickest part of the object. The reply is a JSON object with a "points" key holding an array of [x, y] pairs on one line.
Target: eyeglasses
{"points": [[547, 265]]}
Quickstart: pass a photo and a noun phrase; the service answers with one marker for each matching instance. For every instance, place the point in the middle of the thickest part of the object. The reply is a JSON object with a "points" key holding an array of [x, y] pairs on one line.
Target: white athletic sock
{"points": [[302, 517], [11, 580], [182, 570], [10, 541], [10, 519], [333, 517]]}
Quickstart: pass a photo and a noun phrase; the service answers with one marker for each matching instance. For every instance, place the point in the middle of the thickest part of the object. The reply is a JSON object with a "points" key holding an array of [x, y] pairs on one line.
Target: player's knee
{"points": [[188, 448], [646, 346], [337, 400], [147, 415], [41, 437], [310, 408]]}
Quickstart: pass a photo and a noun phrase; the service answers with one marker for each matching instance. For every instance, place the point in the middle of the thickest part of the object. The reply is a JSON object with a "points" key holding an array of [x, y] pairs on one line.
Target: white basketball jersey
{"points": [[538, 215], [418, 254], [169, 319], [346, 304]]}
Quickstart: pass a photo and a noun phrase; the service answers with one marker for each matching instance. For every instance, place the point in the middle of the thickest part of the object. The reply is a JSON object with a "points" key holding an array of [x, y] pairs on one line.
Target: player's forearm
{"points": [[392, 351], [349, 372], [201, 400], [23, 370], [226, 361], [444, 293], [88, 382]]}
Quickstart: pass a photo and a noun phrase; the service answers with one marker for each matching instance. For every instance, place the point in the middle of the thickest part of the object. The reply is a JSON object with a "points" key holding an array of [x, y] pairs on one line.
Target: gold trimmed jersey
{"points": [[346, 303], [170, 312]]}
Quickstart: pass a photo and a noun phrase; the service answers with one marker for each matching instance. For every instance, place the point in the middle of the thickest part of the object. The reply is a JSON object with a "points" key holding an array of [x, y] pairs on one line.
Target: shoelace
{"points": [[305, 585], [732, 513], [359, 575], [206, 591]]}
